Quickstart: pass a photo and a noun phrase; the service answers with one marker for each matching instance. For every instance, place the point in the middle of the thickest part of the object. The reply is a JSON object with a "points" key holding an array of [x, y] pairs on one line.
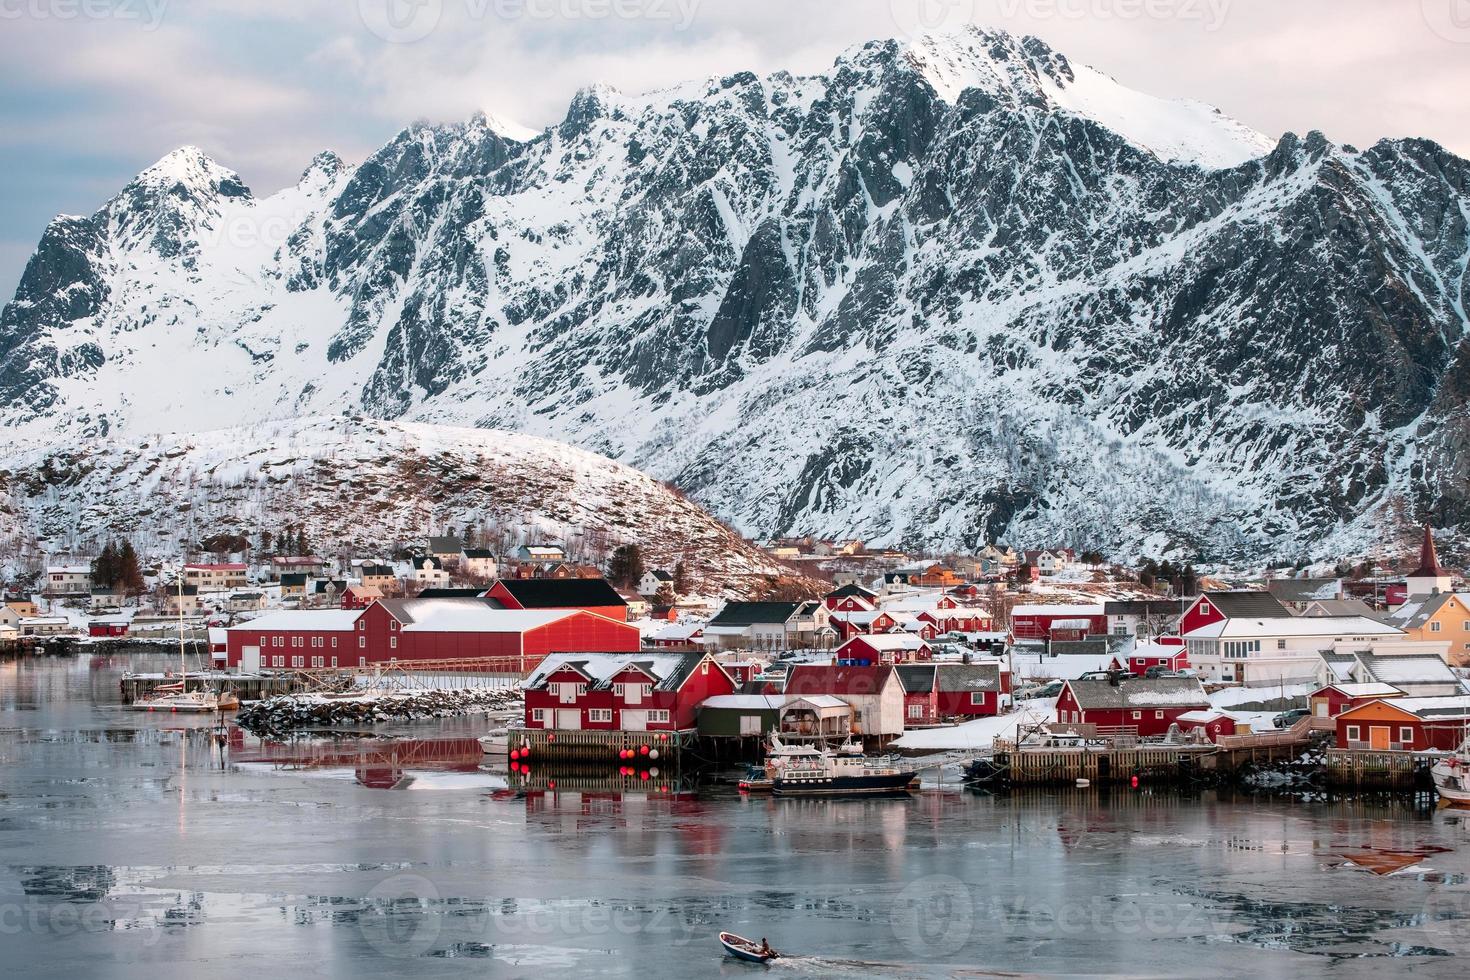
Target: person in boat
{"points": [[766, 949]]}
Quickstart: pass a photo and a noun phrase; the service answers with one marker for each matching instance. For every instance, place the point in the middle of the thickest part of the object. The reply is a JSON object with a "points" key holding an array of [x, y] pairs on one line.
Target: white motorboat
{"points": [[496, 742], [1451, 776]]}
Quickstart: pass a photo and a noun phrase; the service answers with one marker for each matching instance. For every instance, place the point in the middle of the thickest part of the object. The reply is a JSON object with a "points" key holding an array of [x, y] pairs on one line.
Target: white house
{"points": [[1278, 649], [68, 580], [478, 563], [653, 580], [428, 572]]}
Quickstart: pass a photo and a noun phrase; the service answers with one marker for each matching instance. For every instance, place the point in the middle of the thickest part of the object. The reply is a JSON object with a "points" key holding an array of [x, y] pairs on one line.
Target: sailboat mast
{"points": [[183, 669]]}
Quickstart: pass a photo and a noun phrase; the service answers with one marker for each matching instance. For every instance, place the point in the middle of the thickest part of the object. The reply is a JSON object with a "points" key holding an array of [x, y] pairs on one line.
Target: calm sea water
{"points": [[138, 846]]}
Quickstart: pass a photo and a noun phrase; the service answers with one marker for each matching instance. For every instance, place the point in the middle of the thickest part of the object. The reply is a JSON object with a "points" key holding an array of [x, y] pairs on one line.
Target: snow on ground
{"points": [[979, 734], [1226, 697]]}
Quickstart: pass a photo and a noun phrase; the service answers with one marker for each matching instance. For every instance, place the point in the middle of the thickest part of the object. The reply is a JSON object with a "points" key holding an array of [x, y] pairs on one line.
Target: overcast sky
{"points": [[96, 90]]}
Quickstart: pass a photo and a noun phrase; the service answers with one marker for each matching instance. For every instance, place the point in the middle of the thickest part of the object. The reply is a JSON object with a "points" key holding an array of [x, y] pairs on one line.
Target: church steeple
{"points": [[1428, 559]]}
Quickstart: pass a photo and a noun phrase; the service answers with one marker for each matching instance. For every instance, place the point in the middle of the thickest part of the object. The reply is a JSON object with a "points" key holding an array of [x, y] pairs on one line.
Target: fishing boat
{"points": [[1451, 776], [844, 771], [746, 949]]}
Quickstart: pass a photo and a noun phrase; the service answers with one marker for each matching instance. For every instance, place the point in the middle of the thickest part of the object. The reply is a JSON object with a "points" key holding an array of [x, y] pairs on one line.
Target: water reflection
{"points": [[124, 840]]}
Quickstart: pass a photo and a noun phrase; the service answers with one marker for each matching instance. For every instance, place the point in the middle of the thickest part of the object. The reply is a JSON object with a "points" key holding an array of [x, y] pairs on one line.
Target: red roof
{"points": [[1428, 560], [826, 679], [226, 567]]}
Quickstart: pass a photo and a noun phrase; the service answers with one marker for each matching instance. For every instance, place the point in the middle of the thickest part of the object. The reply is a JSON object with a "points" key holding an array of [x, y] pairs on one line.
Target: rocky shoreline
{"points": [[290, 712]]}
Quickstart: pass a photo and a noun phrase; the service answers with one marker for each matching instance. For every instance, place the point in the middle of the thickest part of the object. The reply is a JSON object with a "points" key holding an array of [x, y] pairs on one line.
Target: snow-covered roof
{"points": [[602, 667], [889, 641], [1203, 716], [1368, 690], [745, 702], [1056, 610], [1340, 627], [1142, 692], [324, 620], [69, 570], [817, 701], [468, 616], [677, 631], [1070, 624], [1404, 669]]}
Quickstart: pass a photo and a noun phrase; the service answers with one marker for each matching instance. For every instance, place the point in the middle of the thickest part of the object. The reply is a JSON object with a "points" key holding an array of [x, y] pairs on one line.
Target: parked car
{"points": [[1044, 691], [1153, 672], [1096, 675], [1288, 718]]}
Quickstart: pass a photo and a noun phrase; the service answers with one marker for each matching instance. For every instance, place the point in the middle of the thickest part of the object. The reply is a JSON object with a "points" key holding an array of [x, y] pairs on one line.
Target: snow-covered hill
{"points": [[949, 290], [362, 487]]}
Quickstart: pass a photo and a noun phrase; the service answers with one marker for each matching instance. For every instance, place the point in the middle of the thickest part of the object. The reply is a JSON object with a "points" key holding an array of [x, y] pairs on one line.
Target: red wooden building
{"points": [[396, 630], [850, 598], [1213, 723], [1405, 724], [594, 595], [935, 692], [1334, 699], [108, 626], [1146, 706], [860, 622], [1215, 607], [1057, 622], [884, 648], [1168, 656], [621, 692], [449, 629]]}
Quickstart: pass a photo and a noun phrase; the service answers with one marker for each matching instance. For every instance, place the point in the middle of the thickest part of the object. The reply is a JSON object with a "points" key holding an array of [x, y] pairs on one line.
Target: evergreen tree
{"points": [[682, 584], [104, 568], [625, 567], [129, 574]]}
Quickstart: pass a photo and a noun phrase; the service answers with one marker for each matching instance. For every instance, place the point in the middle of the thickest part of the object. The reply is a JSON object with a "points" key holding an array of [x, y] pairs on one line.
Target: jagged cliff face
{"points": [[946, 291]]}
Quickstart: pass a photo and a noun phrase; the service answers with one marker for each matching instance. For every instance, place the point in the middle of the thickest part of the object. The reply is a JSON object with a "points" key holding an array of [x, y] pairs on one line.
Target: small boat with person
{"points": [[747, 949]]}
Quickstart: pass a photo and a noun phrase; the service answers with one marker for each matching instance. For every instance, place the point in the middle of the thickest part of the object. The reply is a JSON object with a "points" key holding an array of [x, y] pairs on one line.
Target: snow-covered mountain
{"points": [[948, 290], [363, 486]]}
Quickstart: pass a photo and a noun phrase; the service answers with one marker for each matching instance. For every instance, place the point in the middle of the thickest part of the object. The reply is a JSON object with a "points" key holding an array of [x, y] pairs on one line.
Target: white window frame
{"points": [[1353, 733], [916, 711], [1406, 735], [538, 715], [659, 715]]}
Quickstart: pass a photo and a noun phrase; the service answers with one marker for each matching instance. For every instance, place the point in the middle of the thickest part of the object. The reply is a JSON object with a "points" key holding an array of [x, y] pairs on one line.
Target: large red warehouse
{"points": [[397, 630]]}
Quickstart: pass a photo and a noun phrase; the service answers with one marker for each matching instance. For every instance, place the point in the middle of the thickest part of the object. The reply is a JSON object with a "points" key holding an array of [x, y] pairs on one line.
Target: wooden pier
{"points": [[1379, 770], [587, 745], [1065, 766], [246, 687]]}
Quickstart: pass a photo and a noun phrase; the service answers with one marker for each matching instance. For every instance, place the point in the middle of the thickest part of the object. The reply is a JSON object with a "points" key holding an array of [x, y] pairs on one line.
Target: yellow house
{"points": [[1443, 617]]}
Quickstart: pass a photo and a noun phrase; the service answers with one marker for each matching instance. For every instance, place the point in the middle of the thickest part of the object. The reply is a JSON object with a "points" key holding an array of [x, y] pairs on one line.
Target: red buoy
{"points": [[1134, 782], [644, 750]]}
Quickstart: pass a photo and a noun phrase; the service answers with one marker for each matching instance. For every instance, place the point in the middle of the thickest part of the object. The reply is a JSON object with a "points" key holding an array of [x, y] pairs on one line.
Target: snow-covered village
{"points": [[665, 489]]}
